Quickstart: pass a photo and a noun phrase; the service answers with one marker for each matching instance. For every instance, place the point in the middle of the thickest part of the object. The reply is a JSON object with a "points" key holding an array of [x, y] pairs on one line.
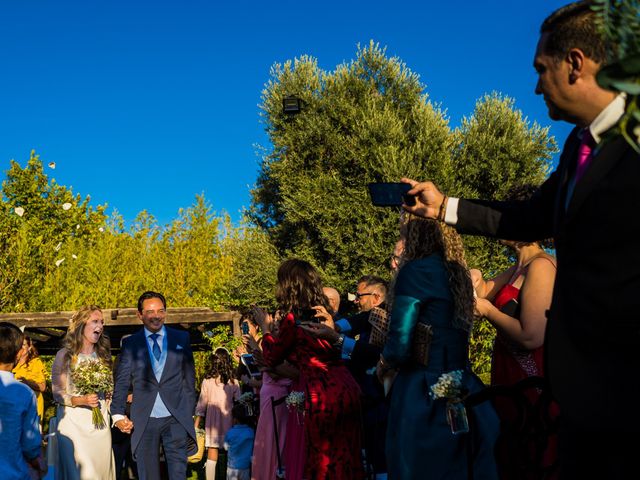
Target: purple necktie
{"points": [[584, 153]]}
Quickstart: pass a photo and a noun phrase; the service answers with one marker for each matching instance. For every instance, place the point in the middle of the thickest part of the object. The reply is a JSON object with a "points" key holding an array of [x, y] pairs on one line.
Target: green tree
{"points": [[254, 263], [366, 121], [38, 217]]}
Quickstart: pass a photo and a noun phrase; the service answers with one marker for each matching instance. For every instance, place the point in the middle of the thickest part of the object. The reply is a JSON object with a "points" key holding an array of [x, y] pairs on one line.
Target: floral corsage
{"points": [[295, 403], [246, 399]]}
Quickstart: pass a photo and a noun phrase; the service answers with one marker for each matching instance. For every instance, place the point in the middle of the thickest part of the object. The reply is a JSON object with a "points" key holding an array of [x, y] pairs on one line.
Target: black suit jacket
{"points": [[364, 357], [592, 340]]}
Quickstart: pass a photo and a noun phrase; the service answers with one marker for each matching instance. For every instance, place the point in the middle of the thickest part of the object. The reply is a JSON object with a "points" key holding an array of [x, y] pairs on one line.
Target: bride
{"points": [[84, 451]]}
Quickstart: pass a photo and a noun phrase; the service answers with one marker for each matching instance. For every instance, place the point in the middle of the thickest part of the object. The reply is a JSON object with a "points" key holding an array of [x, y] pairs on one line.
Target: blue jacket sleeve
{"points": [[31, 440]]}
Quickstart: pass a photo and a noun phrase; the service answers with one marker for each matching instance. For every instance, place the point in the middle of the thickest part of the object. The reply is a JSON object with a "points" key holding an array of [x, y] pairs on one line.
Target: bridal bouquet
{"points": [[449, 386], [93, 376]]}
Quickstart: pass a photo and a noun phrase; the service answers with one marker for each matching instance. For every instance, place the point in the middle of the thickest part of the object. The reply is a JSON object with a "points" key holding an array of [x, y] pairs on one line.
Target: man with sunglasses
{"points": [[361, 358]]}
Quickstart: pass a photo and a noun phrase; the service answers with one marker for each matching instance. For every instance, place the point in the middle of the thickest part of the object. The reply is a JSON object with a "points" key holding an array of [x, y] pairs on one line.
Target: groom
{"points": [[158, 363]]}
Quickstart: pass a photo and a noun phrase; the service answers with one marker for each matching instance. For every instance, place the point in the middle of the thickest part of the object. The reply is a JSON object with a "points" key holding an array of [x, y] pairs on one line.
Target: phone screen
{"points": [[244, 328], [249, 362], [390, 194]]}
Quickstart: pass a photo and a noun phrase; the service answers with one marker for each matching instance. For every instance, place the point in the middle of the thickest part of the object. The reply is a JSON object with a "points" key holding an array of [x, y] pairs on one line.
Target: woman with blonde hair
{"points": [[84, 451], [427, 343]]}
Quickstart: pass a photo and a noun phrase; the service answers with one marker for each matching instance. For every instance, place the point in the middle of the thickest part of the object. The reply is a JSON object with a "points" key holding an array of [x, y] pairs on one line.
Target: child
{"points": [[19, 423], [239, 445], [219, 390]]}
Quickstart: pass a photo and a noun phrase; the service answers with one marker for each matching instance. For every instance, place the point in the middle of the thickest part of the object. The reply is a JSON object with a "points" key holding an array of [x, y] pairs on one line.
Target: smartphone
{"points": [[250, 362], [511, 308], [244, 328], [305, 315], [391, 194]]}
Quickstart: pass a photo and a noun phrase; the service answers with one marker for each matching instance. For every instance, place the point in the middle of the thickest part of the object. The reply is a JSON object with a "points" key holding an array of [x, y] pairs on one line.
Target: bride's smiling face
{"points": [[94, 327]]}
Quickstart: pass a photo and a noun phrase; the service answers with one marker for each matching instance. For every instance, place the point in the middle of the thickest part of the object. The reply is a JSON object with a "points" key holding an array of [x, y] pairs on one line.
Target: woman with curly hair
{"points": [[432, 292], [219, 390], [323, 442], [30, 371], [84, 451]]}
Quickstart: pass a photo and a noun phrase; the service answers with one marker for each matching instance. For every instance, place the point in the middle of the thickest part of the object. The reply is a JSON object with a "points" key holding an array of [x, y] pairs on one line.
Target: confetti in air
{"points": [[52, 165], [66, 206], [19, 211]]}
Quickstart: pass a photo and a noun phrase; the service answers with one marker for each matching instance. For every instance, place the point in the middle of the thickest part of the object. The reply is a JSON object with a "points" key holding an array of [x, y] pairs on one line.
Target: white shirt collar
{"points": [[608, 117]]}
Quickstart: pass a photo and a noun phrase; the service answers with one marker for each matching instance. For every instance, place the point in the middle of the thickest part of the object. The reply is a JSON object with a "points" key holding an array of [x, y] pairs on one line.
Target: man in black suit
{"points": [[157, 361], [590, 206]]}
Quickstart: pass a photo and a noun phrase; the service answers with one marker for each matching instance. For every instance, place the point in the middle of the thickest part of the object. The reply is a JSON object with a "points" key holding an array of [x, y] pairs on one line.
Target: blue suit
{"points": [[164, 397]]}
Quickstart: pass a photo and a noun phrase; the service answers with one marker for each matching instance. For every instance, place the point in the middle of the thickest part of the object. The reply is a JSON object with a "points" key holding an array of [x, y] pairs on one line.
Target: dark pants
{"points": [[605, 455], [173, 438]]}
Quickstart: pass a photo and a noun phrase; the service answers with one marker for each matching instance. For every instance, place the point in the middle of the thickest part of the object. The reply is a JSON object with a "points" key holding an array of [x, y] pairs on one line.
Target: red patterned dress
{"points": [[512, 363], [330, 426]]}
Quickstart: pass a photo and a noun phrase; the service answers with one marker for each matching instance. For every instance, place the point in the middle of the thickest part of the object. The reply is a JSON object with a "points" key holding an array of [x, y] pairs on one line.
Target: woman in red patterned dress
{"points": [[331, 421]]}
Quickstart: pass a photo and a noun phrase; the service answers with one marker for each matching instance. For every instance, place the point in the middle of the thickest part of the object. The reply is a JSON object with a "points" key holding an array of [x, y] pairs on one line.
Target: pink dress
{"points": [[215, 404], [265, 460]]}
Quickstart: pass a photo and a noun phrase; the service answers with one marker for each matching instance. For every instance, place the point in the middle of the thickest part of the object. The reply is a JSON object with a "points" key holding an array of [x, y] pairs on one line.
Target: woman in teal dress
{"points": [[432, 287]]}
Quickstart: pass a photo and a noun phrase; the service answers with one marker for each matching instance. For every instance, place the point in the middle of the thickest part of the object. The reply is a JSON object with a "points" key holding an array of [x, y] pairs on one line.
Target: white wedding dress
{"points": [[84, 452]]}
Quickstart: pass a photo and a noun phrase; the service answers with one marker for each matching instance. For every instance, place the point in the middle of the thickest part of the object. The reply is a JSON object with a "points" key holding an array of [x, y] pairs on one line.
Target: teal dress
{"points": [[420, 444]]}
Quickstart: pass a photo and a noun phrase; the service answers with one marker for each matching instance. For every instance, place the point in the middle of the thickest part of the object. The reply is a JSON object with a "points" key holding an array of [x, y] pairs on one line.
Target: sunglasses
{"points": [[357, 296]]}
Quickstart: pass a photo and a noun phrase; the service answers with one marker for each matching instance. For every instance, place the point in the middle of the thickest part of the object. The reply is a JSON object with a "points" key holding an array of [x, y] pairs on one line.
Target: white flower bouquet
{"points": [[449, 386], [93, 376]]}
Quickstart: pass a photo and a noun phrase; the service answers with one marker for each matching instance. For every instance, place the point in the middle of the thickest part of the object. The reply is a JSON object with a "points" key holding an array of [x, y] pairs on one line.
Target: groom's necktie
{"points": [[155, 348]]}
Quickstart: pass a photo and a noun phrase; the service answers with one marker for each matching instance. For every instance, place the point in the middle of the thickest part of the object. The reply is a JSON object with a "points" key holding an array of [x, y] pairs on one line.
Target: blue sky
{"points": [[144, 104]]}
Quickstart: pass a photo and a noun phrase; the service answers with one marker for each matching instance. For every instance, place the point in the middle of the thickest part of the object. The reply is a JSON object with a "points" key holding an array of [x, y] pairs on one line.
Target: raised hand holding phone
{"points": [[429, 201]]}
